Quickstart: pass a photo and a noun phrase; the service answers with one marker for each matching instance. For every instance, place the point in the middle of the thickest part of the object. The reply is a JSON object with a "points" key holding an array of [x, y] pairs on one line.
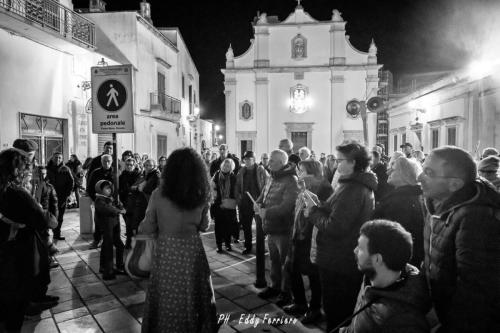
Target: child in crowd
{"points": [[107, 220]]}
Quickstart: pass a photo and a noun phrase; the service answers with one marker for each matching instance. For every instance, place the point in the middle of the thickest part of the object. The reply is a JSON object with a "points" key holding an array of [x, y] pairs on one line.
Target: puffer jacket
{"points": [[339, 220], [106, 213], [462, 259], [278, 198], [261, 175], [399, 308], [405, 205]]}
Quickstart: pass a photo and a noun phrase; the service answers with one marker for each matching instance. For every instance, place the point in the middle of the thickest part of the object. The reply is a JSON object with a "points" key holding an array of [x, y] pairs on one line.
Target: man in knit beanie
{"points": [[28, 146], [488, 168]]}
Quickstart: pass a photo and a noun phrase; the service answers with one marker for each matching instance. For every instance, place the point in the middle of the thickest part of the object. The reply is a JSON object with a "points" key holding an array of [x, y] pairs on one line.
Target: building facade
{"points": [[47, 51], [294, 82], [460, 110]]}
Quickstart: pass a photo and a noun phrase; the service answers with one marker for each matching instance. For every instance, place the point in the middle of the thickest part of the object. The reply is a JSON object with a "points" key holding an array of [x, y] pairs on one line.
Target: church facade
{"points": [[294, 82]]}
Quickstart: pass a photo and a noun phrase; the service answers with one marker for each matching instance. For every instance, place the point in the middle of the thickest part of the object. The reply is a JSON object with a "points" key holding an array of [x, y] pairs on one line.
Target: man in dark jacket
{"points": [[103, 173], [96, 162], [61, 178], [287, 146], [277, 203], [461, 242], [127, 179], [224, 153], [394, 295], [251, 178]]}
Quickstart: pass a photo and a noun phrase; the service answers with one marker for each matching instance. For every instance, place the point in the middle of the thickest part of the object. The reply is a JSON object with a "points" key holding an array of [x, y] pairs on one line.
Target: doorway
{"points": [[299, 140]]}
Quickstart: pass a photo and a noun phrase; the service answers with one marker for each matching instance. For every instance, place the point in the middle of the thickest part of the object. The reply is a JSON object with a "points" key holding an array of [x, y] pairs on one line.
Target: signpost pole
{"points": [[115, 169], [363, 117]]}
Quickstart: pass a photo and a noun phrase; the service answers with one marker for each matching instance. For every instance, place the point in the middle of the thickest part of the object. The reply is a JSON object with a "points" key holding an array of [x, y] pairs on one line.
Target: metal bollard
{"points": [[86, 215], [260, 273]]}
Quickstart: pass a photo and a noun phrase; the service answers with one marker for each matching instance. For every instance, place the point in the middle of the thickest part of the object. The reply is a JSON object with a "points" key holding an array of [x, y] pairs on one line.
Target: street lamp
{"points": [[217, 128], [221, 137]]}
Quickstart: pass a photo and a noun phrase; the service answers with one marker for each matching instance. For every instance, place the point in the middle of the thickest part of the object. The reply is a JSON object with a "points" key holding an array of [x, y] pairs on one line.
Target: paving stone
{"points": [[71, 314], [299, 328], [136, 328], [68, 305], [68, 258], [137, 311], [115, 319], [219, 281], [137, 298], [58, 280], [78, 271], [93, 290], [85, 279], [72, 265], [124, 289], [232, 292], [261, 328], [85, 324], [119, 279], [103, 304], [65, 294], [225, 306], [250, 301], [271, 309], [40, 326], [226, 329]]}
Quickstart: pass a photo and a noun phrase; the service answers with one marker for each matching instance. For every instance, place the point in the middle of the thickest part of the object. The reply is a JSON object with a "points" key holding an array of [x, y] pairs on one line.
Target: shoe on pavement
{"points": [[295, 309], [246, 251], [283, 299], [220, 250], [120, 270], [59, 237], [47, 299], [93, 246], [53, 249], [236, 241], [229, 248], [268, 293], [311, 316], [53, 263]]}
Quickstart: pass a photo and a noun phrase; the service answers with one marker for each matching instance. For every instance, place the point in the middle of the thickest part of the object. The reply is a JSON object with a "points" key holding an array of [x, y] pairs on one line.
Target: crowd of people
{"points": [[399, 243]]}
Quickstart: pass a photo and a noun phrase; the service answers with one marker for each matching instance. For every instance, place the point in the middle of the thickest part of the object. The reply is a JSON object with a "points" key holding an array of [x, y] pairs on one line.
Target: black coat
{"points": [[97, 175], [405, 206], [383, 187], [25, 259], [61, 178], [105, 212], [46, 196], [126, 180]]}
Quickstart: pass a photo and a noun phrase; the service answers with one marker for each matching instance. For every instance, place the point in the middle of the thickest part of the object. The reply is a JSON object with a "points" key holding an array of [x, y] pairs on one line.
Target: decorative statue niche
{"points": [[299, 47]]}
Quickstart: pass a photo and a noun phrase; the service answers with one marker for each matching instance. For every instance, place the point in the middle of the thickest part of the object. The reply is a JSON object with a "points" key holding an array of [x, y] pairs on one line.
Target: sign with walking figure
{"points": [[112, 109]]}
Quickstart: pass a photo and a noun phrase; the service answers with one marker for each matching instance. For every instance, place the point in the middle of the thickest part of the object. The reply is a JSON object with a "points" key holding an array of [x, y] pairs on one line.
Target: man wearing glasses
{"points": [[462, 242]]}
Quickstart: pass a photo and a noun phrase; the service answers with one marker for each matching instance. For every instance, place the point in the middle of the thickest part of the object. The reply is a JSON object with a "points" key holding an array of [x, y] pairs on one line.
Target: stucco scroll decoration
{"points": [[299, 47], [299, 99], [246, 110]]}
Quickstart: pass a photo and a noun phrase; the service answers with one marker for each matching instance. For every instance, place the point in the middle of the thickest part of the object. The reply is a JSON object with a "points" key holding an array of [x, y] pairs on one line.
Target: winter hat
{"points": [[490, 151], [249, 154], [101, 184], [25, 145], [490, 163]]}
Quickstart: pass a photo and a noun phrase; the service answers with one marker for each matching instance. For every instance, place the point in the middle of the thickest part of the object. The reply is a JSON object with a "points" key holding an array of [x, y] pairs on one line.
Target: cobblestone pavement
{"points": [[89, 304]]}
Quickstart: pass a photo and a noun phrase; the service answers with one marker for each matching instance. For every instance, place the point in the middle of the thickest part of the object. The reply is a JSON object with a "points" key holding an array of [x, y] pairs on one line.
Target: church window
{"points": [[299, 47], [299, 99]]}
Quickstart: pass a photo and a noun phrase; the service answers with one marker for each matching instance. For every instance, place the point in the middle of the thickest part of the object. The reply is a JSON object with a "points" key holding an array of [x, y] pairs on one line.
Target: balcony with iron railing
{"points": [[51, 16], [165, 106]]}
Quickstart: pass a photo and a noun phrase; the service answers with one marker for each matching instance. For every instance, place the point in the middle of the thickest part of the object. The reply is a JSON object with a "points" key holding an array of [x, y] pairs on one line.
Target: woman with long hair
{"points": [[23, 256], [180, 296]]}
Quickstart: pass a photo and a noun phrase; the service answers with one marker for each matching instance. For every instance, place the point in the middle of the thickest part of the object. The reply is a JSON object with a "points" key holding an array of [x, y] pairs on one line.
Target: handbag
{"points": [[140, 258]]}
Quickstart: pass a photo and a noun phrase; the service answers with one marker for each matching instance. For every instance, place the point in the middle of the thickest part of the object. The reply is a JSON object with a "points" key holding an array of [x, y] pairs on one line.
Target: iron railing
{"points": [[167, 103], [54, 16]]}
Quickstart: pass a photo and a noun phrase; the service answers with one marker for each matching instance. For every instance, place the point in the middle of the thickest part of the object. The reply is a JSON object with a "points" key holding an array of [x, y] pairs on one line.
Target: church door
{"points": [[299, 140], [245, 145]]}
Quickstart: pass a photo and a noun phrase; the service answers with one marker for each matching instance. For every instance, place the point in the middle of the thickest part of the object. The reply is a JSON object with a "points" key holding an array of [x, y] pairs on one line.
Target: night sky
{"points": [[411, 35]]}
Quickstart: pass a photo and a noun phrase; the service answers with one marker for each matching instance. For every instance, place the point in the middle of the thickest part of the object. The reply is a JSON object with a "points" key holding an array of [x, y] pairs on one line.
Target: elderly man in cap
{"points": [[224, 153], [251, 178]]}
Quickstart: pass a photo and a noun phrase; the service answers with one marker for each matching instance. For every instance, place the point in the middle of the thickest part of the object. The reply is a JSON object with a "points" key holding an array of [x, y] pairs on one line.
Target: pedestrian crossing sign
{"points": [[112, 106]]}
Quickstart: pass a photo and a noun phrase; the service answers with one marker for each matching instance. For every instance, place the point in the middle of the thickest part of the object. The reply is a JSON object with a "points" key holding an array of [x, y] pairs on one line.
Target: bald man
{"points": [[276, 206]]}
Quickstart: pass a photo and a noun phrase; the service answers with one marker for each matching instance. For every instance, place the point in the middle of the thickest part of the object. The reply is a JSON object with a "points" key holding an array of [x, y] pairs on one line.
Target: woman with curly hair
{"points": [[180, 296], [24, 272]]}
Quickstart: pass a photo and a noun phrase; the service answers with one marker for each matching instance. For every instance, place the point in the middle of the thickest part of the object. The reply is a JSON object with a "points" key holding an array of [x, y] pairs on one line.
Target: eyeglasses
{"points": [[343, 159]]}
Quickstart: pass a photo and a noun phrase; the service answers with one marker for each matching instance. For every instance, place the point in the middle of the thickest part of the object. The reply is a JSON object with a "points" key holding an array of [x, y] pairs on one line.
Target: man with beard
{"points": [[393, 296]]}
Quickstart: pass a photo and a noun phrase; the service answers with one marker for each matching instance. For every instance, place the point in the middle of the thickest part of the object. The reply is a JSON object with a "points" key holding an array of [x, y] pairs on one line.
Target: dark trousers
{"points": [[225, 220], [110, 238], [301, 265], [130, 226], [61, 209], [246, 219], [340, 291]]}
